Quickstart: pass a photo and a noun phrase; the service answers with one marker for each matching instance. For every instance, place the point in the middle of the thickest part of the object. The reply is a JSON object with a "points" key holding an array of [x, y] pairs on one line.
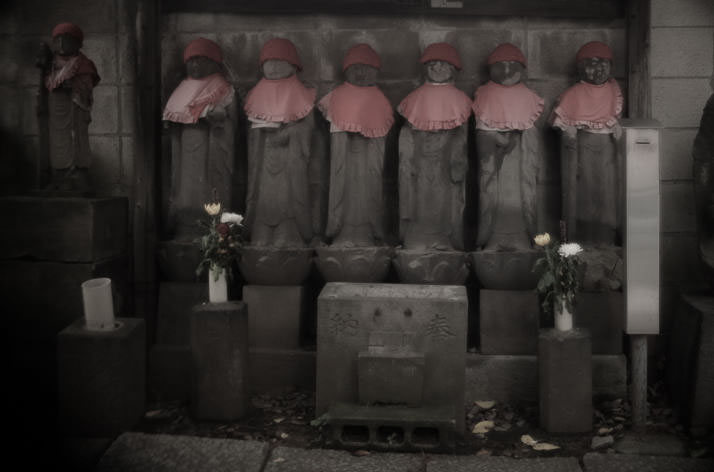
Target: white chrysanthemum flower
{"points": [[227, 217], [542, 239], [212, 208], [570, 249]]}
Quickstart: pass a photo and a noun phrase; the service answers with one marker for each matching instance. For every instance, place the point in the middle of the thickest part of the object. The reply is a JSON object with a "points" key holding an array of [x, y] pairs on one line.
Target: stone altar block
{"points": [[565, 381], [274, 314], [63, 229], [219, 346], [509, 321], [101, 378], [421, 320], [506, 270]]}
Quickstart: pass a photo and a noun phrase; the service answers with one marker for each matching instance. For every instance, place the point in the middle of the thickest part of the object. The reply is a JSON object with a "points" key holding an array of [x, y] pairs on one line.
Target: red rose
{"points": [[222, 229]]}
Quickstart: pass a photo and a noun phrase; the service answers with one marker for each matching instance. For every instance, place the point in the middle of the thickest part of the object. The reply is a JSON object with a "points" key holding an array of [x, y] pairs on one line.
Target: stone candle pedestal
{"points": [[101, 378], [219, 374], [565, 381]]}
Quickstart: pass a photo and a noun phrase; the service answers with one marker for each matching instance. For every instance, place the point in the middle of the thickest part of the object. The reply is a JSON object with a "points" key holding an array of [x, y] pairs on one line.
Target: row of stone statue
{"points": [[432, 146]]}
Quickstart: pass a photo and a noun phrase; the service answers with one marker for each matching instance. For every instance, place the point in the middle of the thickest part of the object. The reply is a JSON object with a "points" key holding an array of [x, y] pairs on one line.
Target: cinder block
{"points": [[101, 378], [426, 319], [220, 359], [128, 109], [603, 315], [676, 153], [102, 50], [509, 321], [63, 229], [677, 52], [169, 372], [176, 300], [127, 65], [274, 313], [105, 110], [390, 377], [565, 381], [178, 260], [678, 103], [93, 16], [677, 207], [686, 13]]}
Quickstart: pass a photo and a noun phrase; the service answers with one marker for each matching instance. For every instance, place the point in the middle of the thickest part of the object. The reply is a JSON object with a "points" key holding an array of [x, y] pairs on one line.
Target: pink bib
{"points": [[433, 107], [507, 107], [279, 101], [192, 96], [587, 105], [363, 110]]}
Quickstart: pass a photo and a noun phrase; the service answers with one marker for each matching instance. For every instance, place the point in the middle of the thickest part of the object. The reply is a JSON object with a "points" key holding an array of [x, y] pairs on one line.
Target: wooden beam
{"points": [[638, 64]]}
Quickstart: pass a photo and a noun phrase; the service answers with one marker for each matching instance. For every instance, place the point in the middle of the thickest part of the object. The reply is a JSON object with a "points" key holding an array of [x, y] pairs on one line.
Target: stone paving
{"points": [[159, 452]]}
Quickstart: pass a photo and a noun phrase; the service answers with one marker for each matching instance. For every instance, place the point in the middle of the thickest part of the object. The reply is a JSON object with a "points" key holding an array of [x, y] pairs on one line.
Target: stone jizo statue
{"points": [[202, 112], [588, 115], [433, 156], [279, 108], [509, 152], [70, 78], [360, 117]]}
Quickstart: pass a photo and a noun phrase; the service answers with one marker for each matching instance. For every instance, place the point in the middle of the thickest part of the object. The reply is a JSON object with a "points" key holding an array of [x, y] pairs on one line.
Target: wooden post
{"points": [[638, 388]]}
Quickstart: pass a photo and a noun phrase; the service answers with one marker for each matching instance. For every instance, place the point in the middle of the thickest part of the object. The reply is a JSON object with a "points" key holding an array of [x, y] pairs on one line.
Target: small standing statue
{"points": [[432, 172], [69, 77], [360, 117], [203, 110], [587, 114], [508, 150]]}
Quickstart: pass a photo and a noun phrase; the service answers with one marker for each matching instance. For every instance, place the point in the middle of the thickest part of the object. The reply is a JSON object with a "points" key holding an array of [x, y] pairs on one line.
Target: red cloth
{"points": [[441, 52], [187, 103], [586, 105], [279, 101], [203, 47], [594, 49], [363, 110], [65, 68], [361, 54], [506, 52], [434, 107], [281, 49], [69, 28], [507, 107]]}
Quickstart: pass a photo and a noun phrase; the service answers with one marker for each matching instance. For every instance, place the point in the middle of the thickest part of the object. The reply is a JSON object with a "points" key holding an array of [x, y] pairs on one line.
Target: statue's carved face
{"points": [[361, 75], [65, 45], [594, 70], [198, 67], [274, 69], [440, 71], [506, 72]]}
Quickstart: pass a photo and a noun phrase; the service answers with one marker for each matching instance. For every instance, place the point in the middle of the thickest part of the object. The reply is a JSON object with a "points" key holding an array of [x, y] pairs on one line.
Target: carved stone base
{"points": [[360, 264], [431, 267], [512, 270], [272, 266], [602, 268]]}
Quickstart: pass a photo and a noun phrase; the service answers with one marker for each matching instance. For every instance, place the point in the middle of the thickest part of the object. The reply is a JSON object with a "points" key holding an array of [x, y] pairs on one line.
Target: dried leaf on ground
{"points": [[545, 447], [603, 431], [528, 440], [278, 460], [278, 420], [485, 404], [360, 453], [483, 452], [483, 427]]}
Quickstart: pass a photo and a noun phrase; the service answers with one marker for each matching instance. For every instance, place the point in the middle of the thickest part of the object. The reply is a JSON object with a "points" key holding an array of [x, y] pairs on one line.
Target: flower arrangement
{"points": [[559, 266], [221, 244]]}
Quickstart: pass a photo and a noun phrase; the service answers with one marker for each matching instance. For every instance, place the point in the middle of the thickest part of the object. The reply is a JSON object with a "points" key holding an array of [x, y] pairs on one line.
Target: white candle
{"points": [[98, 304]]}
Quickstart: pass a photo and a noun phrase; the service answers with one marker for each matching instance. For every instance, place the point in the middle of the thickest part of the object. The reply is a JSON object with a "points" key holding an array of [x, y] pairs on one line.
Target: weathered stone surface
{"points": [[595, 462], [101, 378], [677, 207], [280, 369], [651, 445], [178, 260], [424, 319], [502, 464], [174, 315], [288, 459], [274, 314], [390, 377], [274, 266], [436, 267], [602, 269], [512, 270], [169, 372], [509, 321], [676, 153], [690, 366], [600, 442], [565, 381], [690, 13], [364, 264], [678, 103], [172, 453], [682, 51], [219, 346], [81, 453], [63, 229], [603, 315]]}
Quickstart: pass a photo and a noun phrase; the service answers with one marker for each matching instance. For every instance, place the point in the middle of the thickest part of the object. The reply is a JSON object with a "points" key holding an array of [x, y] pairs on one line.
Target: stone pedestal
{"points": [[506, 270], [431, 267], [101, 378], [509, 321], [359, 264], [565, 381], [219, 346], [261, 265], [274, 314]]}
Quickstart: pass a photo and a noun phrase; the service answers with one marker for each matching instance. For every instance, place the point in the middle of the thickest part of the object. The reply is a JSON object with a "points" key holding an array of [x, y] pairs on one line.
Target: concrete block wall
{"points": [[106, 27], [682, 79]]}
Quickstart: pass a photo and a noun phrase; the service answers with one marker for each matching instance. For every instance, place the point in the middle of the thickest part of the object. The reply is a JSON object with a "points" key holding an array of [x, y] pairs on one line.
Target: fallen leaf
{"points": [[279, 459], [528, 440], [152, 413], [485, 404], [603, 431], [545, 447], [483, 427], [284, 435], [360, 453], [483, 452], [278, 420]]}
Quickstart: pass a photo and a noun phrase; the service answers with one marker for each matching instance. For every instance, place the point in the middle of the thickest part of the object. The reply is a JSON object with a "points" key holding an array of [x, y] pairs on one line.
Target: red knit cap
{"points": [[441, 52], [68, 28], [203, 47], [506, 52], [594, 49], [280, 49], [361, 54]]}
